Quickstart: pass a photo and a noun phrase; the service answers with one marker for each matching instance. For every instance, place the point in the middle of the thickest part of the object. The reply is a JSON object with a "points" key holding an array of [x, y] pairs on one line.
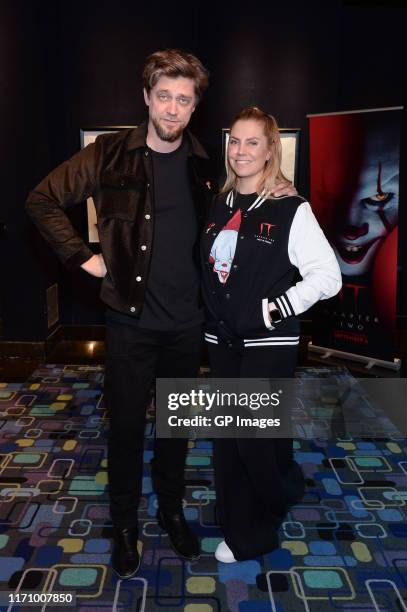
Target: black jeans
{"points": [[250, 473], [134, 358]]}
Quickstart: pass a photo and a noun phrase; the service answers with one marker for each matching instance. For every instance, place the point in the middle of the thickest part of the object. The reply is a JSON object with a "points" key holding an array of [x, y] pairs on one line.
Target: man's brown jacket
{"points": [[116, 171]]}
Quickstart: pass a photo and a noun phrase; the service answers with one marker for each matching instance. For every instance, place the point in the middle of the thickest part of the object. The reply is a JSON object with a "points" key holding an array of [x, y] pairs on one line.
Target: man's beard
{"points": [[167, 136]]}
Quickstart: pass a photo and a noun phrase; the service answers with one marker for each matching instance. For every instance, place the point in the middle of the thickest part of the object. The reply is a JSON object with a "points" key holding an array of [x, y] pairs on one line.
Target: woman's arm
{"points": [[311, 253]]}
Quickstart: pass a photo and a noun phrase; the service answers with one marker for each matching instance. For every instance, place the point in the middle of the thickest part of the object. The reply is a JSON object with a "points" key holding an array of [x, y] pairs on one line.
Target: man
{"points": [[151, 187]]}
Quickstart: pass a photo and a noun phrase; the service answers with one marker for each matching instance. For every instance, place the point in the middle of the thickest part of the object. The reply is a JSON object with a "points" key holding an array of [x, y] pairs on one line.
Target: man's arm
{"points": [[285, 188], [70, 183]]}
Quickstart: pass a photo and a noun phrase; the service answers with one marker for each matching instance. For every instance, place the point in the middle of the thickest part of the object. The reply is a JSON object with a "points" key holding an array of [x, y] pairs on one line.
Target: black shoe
{"points": [[125, 557], [182, 538]]}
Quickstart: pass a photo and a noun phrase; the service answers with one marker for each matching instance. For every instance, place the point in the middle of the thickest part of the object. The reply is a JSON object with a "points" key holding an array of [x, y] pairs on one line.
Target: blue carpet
{"points": [[344, 547]]}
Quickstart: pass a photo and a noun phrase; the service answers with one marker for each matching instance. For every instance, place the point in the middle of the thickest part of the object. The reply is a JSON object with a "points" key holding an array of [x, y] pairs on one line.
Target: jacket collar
{"points": [[138, 135]]}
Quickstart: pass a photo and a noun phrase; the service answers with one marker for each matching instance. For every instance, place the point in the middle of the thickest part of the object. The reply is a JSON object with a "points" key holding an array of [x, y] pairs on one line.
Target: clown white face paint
{"points": [[222, 253], [373, 210], [224, 247]]}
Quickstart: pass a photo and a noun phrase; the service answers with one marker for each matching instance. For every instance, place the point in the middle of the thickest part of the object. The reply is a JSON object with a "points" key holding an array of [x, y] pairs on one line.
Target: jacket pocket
{"points": [[120, 196], [111, 179], [253, 319]]}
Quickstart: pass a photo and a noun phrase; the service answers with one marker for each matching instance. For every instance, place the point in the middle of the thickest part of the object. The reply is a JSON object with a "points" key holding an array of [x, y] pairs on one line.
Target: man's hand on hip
{"points": [[95, 266]]}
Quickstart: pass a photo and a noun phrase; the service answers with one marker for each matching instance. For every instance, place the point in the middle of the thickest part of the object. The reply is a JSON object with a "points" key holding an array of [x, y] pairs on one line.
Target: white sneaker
{"points": [[224, 554]]}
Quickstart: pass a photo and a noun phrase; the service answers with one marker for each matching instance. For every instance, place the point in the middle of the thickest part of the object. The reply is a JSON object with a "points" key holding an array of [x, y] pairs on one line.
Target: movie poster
{"points": [[354, 163]]}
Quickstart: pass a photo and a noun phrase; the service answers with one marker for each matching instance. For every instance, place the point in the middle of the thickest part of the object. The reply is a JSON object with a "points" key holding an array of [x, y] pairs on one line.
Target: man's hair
{"points": [[175, 63], [272, 173]]}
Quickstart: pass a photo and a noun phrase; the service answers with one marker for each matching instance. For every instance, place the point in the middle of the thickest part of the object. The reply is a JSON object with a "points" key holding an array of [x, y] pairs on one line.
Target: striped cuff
{"points": [[272, 341], [284, 305]]}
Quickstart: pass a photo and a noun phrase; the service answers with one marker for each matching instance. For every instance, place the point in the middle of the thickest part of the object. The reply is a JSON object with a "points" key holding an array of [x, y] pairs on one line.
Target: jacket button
{"points": [[148, 185], [227, 296], [143, 247], [146, 153], [138, 278], [221, 322], [242, 237], [213, 233], [122, 183], [132, 309], [147, 217], [235, 266]]}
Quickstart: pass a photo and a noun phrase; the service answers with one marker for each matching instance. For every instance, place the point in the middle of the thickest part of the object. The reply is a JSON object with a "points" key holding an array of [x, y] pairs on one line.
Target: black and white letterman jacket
{"points": [[255, 261]]}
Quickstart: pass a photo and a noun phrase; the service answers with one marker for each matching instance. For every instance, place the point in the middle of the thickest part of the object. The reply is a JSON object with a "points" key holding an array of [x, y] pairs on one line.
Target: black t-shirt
{"points": [[244, 200], [172, 292]]}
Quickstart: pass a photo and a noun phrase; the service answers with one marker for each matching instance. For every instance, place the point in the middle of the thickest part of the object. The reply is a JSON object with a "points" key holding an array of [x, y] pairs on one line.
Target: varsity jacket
{"points": [[251, 258], [116, 170]]}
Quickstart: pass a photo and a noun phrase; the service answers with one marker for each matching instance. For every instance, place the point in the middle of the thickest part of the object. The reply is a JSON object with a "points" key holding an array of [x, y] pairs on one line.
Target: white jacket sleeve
{"points": [[311, 253]]}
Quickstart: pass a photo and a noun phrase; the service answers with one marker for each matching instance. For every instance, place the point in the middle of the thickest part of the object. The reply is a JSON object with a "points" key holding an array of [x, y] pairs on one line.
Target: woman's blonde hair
{"points": [[272, 174]]}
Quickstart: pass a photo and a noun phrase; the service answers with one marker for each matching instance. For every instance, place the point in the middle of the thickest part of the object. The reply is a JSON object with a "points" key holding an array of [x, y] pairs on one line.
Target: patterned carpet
{"points": [[344, 547]]}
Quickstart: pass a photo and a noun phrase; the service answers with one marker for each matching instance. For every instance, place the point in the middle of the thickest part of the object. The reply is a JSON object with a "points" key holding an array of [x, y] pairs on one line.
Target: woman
{"points": [[253, 247]]}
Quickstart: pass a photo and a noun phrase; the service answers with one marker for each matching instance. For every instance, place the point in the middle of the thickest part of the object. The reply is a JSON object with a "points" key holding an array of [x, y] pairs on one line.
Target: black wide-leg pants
{"points": [[249, 473], [134, 358]]}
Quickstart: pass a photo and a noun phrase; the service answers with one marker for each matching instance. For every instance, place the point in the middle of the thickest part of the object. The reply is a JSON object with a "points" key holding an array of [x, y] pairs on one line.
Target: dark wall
{"points": [[69, 64], [24, 150]]}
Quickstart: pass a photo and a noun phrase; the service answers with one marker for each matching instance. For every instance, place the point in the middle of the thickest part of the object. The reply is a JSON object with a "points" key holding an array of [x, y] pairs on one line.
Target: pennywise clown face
{"points": [[223, 252], [373, 209]]}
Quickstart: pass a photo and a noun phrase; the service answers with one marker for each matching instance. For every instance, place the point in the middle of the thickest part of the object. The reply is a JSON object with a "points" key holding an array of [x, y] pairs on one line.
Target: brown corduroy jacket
{"points": [[116, 171]]}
